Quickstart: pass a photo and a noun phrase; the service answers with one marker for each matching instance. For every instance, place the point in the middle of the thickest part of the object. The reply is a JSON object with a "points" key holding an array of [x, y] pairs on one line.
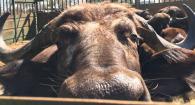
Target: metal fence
{"points": [[23, 12], [27, 6]]}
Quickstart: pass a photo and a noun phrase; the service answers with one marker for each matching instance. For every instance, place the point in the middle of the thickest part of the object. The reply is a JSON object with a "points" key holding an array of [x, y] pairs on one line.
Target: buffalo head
{"points": [[97, 52]]}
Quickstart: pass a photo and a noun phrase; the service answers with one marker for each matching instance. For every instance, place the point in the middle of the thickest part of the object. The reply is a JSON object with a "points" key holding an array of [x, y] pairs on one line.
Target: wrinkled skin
{"points": [[94, 72], [96, 58]]}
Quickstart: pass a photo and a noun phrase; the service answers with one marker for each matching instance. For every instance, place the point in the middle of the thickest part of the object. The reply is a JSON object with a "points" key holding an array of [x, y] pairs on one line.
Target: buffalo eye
{"points": [[66, 33]]}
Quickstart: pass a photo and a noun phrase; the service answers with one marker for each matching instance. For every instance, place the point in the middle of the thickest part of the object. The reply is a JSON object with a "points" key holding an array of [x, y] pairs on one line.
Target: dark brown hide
{"points": [[158, 43], [171, 65], [171, 68], [145, 53], [173, 35], [173, 62], [27, 78], [46, 37], [159, 22], [37, 77], [162, 89], [97, 53], [102, 63]]}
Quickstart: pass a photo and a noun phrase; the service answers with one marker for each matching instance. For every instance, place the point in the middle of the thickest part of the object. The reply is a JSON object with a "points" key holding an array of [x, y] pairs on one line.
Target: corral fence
{"points": [[28, 16]]}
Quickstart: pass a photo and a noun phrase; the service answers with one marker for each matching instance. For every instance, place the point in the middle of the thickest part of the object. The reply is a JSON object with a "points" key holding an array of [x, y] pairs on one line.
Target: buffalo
{"points": [[171, 63], [95, 51], [96, 57], [177, 15]]}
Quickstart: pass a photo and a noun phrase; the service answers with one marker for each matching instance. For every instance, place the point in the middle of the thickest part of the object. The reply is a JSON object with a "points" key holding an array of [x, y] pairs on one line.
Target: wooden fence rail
{"points": [[72, 101]]}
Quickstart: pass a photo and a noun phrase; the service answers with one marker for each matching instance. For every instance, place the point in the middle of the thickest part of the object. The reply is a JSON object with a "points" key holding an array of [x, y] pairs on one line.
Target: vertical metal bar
{"points": [[19, 20], [24, 9], [0, 9], [14, 17], [51, 1], [9, 3], [66, 3], [22, 27], [44, 5], [30, 7], [35, 16], [3, 6], [69, 2], [137, 3], [131, 2], [58, 4], [54, 4], [17, 8], [62, 4], [40, 6], [6, 5]]}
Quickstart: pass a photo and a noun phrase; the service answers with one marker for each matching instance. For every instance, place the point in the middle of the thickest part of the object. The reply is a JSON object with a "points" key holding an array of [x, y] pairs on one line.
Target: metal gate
{"points": [[23, 19]]}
